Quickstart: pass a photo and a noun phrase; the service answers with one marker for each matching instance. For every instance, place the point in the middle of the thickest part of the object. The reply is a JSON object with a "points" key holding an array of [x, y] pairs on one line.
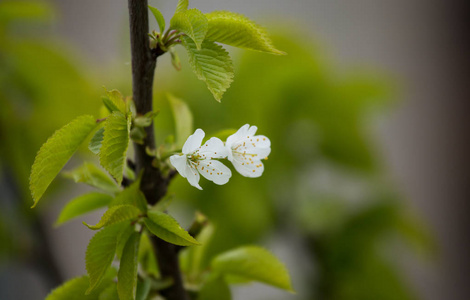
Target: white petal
{"points": [[213, 148], [179, 162], [215, 171], [256, 147], [240, 134], [251, 131], [194, 141], [248, 168], [193, 177]]}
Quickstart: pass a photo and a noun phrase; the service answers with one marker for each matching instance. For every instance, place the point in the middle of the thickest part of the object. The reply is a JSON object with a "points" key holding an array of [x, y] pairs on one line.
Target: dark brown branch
{"points": [[154, 184]]}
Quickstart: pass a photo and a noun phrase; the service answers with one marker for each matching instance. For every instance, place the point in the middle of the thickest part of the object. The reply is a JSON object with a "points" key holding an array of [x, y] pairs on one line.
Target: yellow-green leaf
{"points": [[116, 214], [159, 17], [132, 195], [168, 229], [237, 30], [56, 152], [253, 263], [183, 119], [127, 275], [211, 64], [182, 6], [115, 143], [96, 140], [193, 23], [83, 204], [114, 101], [100, 254], [92, 175], [75, 289]]}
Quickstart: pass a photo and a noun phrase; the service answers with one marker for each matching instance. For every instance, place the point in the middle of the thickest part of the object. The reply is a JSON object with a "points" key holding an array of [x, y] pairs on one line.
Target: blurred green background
{"points": [[326, 204]]}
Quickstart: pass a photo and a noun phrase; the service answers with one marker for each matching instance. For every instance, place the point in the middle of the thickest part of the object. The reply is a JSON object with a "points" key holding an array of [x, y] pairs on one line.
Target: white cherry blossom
{"points": [[246, 150], [197, 159]]}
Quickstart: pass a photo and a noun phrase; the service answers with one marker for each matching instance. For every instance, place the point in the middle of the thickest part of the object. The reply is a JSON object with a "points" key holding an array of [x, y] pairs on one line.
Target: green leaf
{"points": [[143, 289], [109, 293], [183, 119], [212, 64], [253, 263], [116, 214], [132, 195], [96, 140], [74, 289], [193, 23], [215, 289], [127, 275], [147, 256], [114, 101], [192, 258], [159, 17], [237, 30], [92, 175], [166, 228], [115, 143], [175, 59], [182, 6], [83, 204], [55, 153], [100, 254]]}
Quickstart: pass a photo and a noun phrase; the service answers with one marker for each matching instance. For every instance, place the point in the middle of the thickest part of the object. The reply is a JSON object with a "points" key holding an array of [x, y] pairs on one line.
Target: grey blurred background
{"points": [[423, 140]]}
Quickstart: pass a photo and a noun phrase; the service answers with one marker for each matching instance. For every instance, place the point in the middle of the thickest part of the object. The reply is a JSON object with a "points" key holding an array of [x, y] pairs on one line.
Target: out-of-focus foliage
{"points": [[42, 88]]}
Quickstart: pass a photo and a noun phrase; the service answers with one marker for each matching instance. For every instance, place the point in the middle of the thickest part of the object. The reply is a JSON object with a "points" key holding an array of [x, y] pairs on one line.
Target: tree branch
{"points": [[154, 184]]}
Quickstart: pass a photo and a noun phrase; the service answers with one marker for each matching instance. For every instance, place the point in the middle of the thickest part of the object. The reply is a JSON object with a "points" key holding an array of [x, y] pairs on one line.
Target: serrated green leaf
{"points": [[92, 175], [215, 289], [237, 30], [159, 17], [100, 254], [193, 23], [182, 6], [74, 289], [83, 204], [127, 275], [96, 140], [212, 64], [168, 229], [56, 152], [115, 144], [183, 119], [116, 214], [114, 101], [132, 195], [253, 263]]}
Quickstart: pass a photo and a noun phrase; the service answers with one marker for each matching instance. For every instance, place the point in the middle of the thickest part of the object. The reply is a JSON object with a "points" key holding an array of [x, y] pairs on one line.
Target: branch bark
{"points": [[154, 184]]}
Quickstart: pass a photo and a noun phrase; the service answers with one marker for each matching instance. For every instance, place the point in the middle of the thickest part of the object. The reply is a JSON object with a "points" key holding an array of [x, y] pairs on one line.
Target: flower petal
{"points": [[251, 131], [194, 141], [240, 134], [179, 162], [215, 171], [255, 147], [213, 148], [249, 168], [193, 177]]}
